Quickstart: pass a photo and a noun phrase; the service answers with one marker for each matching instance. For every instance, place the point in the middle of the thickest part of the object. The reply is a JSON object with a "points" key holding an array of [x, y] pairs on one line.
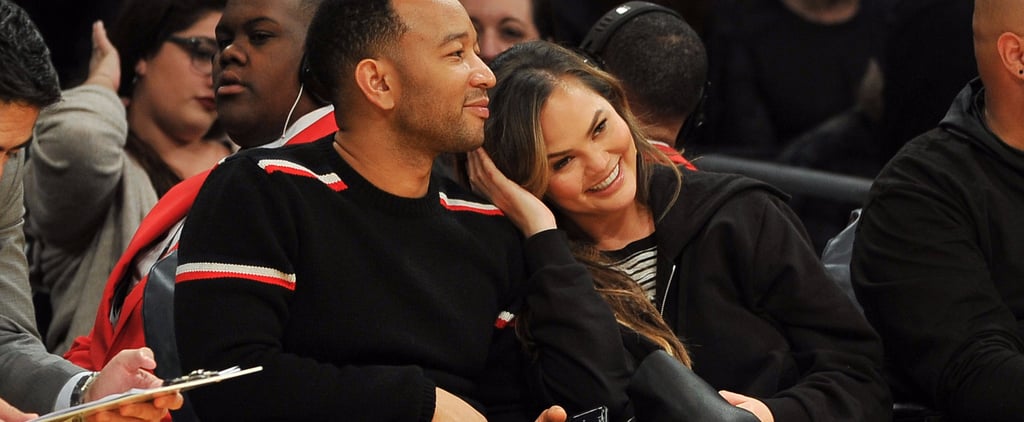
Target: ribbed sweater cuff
{"points": [[429, 395], [549, 247]]}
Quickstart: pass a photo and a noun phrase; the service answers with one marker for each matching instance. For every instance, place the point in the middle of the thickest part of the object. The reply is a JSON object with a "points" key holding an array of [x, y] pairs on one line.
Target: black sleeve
{"points": [[580, 362], [232, 307], [839, 354], [925, 284]]}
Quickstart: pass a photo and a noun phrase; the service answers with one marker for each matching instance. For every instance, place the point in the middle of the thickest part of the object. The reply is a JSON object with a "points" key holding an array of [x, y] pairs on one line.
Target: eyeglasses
{"points": [[200, 49]]}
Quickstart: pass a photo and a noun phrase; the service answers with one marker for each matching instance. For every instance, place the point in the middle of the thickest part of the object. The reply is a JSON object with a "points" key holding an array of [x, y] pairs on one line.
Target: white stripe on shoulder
{"points": [[242, 271], [288, 167], [463, 205]]}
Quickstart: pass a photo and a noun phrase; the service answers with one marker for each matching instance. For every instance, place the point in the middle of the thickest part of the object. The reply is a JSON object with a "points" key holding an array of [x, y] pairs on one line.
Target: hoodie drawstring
{"points": [[664, 297]]}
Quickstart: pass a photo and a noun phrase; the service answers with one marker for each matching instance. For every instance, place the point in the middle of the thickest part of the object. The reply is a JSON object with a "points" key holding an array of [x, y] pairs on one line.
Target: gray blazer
{"points": [[85, 198], [30, 378]]}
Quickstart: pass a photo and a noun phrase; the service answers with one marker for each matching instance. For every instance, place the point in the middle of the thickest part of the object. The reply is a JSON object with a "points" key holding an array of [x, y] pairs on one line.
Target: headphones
{"points": [[306, 77], [304, 70], [594, 44], [693, 127], [597, 38]]}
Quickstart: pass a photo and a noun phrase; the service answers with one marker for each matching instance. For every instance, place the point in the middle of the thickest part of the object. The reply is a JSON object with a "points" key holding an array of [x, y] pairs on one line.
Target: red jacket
{"points": [[92, 352]]}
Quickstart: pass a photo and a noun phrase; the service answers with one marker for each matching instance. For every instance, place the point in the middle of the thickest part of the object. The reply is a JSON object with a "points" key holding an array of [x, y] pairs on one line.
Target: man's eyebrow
{"points": [[453, 37], [255, 21], [246, 25]]}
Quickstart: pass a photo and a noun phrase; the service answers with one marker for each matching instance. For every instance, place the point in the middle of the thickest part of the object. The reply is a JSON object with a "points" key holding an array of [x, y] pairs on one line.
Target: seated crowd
{"points": [[439, 210]]}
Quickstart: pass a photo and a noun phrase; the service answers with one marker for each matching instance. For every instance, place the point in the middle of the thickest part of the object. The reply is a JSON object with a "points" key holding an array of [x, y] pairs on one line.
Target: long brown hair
{"points": [[526, 75]]}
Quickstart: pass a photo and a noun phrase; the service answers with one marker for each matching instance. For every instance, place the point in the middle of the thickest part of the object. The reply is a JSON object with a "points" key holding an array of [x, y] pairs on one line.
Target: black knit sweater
{"points": [[358, 303]]}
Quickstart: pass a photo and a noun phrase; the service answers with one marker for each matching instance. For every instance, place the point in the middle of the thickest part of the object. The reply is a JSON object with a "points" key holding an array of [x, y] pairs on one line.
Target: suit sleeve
{"points": [[32, 377], [232, 298], [581, 361], [78, 159]]}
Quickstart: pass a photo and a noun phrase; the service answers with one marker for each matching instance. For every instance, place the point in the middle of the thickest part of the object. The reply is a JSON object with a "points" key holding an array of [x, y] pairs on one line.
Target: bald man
{"points": [[939, 255]]}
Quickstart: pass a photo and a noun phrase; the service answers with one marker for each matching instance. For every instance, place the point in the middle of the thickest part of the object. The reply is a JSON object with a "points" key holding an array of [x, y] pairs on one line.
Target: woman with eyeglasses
{"points": [[143, 121]]}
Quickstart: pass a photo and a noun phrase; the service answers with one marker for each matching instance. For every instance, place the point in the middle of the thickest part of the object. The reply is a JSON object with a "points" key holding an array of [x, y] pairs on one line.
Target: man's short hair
{"points": [[28, 75], [662, 63], [344, 32]]}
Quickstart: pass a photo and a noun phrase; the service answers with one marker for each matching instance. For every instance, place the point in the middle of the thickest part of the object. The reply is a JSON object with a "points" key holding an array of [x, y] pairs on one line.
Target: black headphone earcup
{"points": [[309, 81], [597, 37], [693, 128]]}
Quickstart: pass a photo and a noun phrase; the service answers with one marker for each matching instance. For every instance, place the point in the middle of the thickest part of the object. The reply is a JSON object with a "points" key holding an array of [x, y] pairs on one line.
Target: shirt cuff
{"points": [[64, 398]]}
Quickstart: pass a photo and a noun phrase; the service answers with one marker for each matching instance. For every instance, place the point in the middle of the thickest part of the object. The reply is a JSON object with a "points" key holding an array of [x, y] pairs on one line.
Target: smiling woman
{"points": [[725, 261], [97, 165]]}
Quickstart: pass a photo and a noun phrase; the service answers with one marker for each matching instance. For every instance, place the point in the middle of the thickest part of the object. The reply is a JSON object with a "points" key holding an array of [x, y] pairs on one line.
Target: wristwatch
{"points": [[78, 394]]}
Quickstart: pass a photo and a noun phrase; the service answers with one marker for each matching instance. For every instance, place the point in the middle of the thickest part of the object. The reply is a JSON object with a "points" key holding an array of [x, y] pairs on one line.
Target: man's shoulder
{"points": [[933, 157], [939, 169], [307, 156]]}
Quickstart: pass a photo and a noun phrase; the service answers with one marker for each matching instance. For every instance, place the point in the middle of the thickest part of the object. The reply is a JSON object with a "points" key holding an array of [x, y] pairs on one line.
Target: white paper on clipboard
{"points": [[139, 395]]}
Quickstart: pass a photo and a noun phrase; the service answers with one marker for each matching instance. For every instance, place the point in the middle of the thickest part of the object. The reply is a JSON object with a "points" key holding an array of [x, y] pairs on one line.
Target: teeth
{"points": [[607, 181]]}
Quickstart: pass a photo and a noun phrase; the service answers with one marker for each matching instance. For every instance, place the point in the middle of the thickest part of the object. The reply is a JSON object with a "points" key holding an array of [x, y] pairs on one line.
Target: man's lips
{"points": [[479, 107], [229, 84], [230, 89]]}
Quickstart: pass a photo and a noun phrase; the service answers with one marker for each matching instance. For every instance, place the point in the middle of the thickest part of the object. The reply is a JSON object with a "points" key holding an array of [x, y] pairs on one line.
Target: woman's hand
{"points": [[752, 405], [525, 210], [105, 64]]}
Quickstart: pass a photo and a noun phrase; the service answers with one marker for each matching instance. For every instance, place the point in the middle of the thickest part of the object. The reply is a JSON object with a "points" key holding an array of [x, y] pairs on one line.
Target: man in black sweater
{"points": [[938, 254], [369, 288]]}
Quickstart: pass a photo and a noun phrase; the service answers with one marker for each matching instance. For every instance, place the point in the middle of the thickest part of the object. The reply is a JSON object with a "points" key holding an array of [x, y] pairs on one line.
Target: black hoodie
{"points": [[938, 264], [752, 302]]}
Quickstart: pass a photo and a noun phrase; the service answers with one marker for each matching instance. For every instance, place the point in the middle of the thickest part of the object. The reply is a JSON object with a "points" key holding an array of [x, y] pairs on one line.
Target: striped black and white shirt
{"points": [[639, 261]]}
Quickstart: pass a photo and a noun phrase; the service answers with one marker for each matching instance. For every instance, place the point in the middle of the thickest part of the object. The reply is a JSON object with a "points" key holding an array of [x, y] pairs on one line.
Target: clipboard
{"points": [[136, 395]]}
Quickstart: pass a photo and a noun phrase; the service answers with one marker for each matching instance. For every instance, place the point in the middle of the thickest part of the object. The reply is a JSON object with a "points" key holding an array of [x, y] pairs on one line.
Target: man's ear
{"points": [[140, 68], [375, 79], [1011, 52]]}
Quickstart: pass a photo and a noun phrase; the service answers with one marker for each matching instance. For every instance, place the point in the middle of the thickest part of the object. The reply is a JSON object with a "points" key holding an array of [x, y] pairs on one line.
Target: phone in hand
{"points": [[599, 414]]}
